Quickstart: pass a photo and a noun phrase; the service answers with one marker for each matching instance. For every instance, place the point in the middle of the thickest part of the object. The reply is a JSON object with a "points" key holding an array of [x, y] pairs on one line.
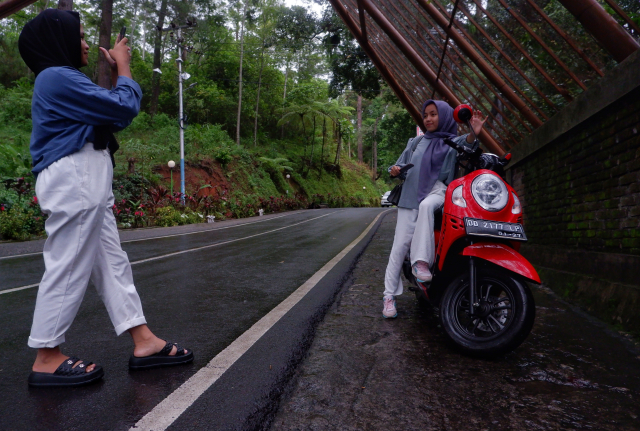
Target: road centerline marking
{"points": [[15, 289], [169, 409], [226, 242], [169, 236]]}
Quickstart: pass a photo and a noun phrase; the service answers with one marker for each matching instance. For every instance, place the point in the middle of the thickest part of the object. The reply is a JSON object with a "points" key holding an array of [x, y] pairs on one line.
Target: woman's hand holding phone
{"points": [[119, 57]]}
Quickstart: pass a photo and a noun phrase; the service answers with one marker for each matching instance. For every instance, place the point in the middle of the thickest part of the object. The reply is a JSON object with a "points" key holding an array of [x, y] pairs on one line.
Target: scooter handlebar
{"points": [[453, 145], [459, 148]]}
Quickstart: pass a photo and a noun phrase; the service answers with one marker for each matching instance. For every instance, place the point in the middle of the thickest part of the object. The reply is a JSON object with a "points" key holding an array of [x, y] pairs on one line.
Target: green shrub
{"points": [[20, 224], [15, 160], [222, 155], [15, 104], [167, 216]]}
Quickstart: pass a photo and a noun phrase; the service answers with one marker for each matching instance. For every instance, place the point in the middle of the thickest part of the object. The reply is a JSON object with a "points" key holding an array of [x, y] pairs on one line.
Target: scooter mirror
{"points": [[462, 114]]}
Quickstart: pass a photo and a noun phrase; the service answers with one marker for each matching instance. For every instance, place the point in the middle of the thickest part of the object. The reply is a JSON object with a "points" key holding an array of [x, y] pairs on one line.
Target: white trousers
{"points": [[82, 245], [414, 233]]}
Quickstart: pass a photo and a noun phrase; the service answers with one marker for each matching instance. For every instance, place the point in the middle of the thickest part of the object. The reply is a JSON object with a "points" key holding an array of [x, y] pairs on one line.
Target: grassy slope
{"points": [[243, 171]]}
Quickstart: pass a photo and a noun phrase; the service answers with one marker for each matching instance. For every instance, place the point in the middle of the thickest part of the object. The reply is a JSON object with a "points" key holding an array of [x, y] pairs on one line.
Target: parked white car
{"points": [[383, 200]]}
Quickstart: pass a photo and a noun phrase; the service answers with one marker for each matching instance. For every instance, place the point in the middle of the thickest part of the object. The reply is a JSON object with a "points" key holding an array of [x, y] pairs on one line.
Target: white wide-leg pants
{"points": [[82, 245], [414, 233]]}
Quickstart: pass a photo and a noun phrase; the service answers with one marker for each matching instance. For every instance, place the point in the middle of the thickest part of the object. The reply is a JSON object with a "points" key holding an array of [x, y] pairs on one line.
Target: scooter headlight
{"points": [[490, 192]]}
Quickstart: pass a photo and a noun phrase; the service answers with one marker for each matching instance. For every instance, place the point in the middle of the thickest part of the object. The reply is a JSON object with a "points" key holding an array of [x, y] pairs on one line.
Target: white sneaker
{"points": [[389, 307], [421, 271]]}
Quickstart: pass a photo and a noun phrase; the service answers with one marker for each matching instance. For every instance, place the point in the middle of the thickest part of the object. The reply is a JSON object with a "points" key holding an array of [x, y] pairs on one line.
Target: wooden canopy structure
{"points": [[508, 58]]}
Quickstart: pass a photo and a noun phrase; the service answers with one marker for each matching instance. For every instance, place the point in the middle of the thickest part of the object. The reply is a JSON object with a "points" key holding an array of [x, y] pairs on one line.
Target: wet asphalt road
{"points": [[204, 299], [363, 372]]}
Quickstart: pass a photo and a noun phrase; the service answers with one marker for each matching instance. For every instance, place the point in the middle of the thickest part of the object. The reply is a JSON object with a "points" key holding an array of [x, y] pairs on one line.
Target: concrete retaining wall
{"points": [[578, 177]]}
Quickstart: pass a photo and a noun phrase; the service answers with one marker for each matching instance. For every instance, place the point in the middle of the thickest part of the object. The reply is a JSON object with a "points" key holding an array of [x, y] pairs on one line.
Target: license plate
{"points": [[495, 229]]}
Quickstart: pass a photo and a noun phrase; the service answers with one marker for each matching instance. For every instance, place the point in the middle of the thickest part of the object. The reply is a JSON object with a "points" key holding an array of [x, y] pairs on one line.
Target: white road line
{"points": [[226, 242], [167, 236], [15, 289], [189, 250], [168, 410]]}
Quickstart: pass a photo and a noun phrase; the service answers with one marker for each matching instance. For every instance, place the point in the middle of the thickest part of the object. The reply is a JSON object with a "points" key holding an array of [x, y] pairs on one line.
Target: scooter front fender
{"points": [[503, 256]]}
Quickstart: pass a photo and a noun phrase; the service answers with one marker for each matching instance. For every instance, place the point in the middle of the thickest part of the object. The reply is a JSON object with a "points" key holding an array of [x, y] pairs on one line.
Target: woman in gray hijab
{"points": [[422, 193]]}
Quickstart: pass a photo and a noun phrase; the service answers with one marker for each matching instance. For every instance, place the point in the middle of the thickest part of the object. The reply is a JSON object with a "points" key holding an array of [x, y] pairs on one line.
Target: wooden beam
{"points": [[9, 7], [65, 4]]}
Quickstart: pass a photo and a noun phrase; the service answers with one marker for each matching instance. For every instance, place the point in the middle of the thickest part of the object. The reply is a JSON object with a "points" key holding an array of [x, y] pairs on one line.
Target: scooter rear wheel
{"points": [[502, 321]]}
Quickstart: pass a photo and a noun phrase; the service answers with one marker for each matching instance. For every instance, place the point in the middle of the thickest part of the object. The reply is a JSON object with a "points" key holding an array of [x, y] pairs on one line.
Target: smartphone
{"points": [[405, 168], [123, 30]]}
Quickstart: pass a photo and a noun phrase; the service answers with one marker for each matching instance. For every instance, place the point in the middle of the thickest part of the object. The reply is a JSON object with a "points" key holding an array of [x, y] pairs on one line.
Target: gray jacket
{"points": [[409, 197]]}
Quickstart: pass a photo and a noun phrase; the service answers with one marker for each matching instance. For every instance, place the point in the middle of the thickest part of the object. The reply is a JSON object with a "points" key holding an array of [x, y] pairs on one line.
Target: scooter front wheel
{"points": [[501, 320]]}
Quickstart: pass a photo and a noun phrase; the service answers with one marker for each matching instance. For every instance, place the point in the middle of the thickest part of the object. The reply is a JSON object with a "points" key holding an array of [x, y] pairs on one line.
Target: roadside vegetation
{"points": [[305, 122]]}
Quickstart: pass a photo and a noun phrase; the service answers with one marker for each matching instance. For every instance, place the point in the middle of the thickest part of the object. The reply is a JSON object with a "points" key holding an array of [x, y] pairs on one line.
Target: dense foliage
{"points": [[317, 125], [295, 141]]}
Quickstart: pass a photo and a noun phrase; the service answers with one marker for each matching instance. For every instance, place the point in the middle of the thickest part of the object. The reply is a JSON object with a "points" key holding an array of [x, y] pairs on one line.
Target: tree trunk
{"points": [[134, 23], [339, 139], [244, 12], [255, 126], [313, 140], [144, 43], [324, 132], [306, 140], [375, 150], [64, 5], [284, 95], [360, 158], [104, 70], [157, 61]]}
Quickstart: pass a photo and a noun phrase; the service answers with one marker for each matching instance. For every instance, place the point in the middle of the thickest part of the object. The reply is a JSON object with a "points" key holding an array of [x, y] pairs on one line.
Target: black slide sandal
{"points": [[67, 375], [162, 358]]}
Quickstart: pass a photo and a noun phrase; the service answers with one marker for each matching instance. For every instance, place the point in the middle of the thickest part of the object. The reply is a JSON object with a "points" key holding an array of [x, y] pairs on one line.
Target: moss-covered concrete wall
{"points": [[578, 178]]}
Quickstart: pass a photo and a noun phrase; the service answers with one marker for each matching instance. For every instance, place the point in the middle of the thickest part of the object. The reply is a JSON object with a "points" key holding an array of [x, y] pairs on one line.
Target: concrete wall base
{"points": [[614, 303]]}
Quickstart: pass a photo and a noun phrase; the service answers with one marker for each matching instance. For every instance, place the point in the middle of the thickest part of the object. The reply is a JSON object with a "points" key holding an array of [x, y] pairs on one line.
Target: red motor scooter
{"points": [[479, 278]]}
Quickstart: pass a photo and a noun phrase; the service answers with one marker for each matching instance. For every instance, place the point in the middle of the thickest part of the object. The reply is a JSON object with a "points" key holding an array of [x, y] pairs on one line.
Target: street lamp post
{"points": [[180, 113], [181, 77], [171, 165]]}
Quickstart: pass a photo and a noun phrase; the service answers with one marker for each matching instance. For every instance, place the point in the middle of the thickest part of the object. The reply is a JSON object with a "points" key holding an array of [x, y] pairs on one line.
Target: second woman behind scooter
{"points": [[423, 192]]}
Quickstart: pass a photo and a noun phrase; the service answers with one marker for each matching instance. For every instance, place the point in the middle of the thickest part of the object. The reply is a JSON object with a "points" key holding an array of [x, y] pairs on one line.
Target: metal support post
{"points": [[603, 27], [422, 67], [181, 114], [179, 41]]}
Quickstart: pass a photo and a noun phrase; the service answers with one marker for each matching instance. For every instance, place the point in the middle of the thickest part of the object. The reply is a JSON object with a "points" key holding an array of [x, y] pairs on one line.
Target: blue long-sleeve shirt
{"points": [[66, 106]]}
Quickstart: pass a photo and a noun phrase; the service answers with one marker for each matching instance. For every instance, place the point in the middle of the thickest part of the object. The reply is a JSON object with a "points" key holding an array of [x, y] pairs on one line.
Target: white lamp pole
{"points": [[171, 165], [180, 113], [179, 41]]}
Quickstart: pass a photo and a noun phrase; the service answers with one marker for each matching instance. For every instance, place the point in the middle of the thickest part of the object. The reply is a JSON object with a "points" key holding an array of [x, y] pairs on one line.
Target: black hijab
{"points": [[51, 39]]}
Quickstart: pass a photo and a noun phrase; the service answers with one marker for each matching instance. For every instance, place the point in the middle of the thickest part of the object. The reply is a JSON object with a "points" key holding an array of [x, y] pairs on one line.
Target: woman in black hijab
{"points": [[72, 147]]}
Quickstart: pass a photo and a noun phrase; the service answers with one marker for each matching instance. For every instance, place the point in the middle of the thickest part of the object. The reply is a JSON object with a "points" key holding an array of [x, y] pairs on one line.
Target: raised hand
{"points": [[107, 56], [477, 121], [121, 53]]}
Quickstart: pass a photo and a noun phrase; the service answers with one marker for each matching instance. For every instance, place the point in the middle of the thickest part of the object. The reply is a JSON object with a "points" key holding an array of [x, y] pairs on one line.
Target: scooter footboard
{"points": [[505, 257]]}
